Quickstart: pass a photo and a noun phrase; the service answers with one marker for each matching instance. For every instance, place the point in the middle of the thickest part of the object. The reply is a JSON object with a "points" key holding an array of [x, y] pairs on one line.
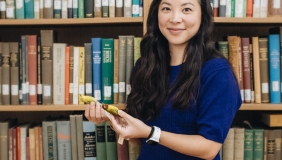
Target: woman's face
{"points": [[179, 20]]}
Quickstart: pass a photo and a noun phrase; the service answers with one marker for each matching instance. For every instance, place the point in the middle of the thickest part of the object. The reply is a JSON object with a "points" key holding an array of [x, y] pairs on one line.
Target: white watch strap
{"points": [[156, 135]]}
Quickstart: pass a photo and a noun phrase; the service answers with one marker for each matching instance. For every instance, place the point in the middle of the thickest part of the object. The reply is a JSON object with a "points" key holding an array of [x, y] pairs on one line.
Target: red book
{"points": [[67, 76], [32, 68]]}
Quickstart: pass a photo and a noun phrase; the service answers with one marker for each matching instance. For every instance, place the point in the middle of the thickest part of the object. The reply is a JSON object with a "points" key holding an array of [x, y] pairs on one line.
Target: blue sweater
{"points": [[211, 117]]}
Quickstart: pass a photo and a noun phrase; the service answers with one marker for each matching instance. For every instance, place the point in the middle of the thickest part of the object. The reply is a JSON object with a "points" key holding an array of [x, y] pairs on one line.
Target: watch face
{"points": [[151, 142]]}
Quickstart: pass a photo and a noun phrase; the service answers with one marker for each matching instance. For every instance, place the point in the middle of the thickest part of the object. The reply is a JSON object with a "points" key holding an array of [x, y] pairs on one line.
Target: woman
{"points": [[184, 94]]}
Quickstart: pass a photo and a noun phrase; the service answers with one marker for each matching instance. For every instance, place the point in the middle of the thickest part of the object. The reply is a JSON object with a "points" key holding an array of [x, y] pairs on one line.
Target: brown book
{"points": [[48, 9], [27, 149], [234, 53], [6, 74], [274, 8], [36, 139], [122, 150], [39, 73], [71, 75], [277, 138], [264, 69], [272, 119], [31, 134], [14, 70], [14, 145], [47, 40], [10, 143], [40, 143], [271, 145], [88, 68], [3, 9], [256, 69], [4, 143], [265, 138], [245, 46], [116, 56], [252, 74], [32, 68], [1, 73], [119, 8], [98, 8]]}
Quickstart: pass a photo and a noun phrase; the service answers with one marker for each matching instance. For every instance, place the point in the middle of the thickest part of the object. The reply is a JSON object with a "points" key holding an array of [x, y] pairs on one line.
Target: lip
{"points": [[175, 30]]}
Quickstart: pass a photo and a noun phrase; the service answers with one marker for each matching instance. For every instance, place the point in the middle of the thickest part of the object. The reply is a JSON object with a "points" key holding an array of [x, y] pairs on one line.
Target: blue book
{"points": [[89, 140], [274, 67], [135, 8], [20, 9], [29, 9], [96, 67]]}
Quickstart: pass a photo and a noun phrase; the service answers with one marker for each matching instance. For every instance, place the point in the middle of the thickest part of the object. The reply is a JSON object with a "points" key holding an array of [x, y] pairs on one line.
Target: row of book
{"points": [[257, 65], [252, 144], [72, 138], [49, 9], [247, 8], [41, 71]]}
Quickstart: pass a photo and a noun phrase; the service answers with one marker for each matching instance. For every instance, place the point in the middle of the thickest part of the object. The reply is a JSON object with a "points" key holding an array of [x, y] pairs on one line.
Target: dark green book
{"points": [[111, 144], [107, 70], [248, 144], [258, 144], [101, 141], [105, 8]]}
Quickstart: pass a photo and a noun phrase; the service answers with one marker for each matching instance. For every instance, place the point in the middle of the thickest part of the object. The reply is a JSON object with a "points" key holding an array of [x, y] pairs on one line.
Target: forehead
{"points": [[179, 2]]}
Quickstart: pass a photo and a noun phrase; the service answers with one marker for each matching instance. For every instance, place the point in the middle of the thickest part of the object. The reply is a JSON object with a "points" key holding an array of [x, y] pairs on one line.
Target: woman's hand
{"points": [[128, 126], [95, 113]]}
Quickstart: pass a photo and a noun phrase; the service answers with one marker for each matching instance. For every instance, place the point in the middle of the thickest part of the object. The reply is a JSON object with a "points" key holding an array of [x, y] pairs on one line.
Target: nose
{"points": [[175, 17]]}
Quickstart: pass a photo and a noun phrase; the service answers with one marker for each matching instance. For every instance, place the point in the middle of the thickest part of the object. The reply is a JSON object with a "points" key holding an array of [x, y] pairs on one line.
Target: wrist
{"points": [[147, 132]]}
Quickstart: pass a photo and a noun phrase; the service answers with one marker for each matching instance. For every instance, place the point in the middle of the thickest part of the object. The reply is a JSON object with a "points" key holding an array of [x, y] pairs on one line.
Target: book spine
{"points": [[88, 69], [69, 3], [71, 75], [112, 6], [228, 145], [121, 68], [39, 71], [32, 68], [270, 145], [81, 9], [248, 144], [277, 137], [228, 8], [274, 9], [222, 8], [249, 8], [50, 139], [1, 73], [256, 66], [98, 8], [29, 9], [10, 9], [101, 141], [59, 51], [79, 136], [14, 70], [105, 8], [57, 9], [75, 74], [81, 81], [111, 146], [263, 8], [122, 150], [6, 74], [89, 8], [127, 12], [135, 8], [215, 8], [107, 70], [239, 143], [64, 140], [67, 75], [116, 56], [136, 50], [75, 9], [36, 9], [89, 140], [96, 65], [47, 66], [48, 9], [119, 8], [19, 9], [20, 74], [73, 137], [129, 62], [31, 134], [274, 68], [245, 44]]}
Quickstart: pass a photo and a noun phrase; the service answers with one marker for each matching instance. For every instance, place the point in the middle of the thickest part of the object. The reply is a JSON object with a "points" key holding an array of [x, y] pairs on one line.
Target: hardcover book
{"points": [[88, 69], [89, 140], [32, 68], [264, 69], [14, 70], [97, 67], [6, 74]]}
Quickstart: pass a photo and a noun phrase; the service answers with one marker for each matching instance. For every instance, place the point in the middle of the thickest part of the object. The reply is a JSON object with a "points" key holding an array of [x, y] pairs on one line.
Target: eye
{"points": [[187, 9], [165, 9]]}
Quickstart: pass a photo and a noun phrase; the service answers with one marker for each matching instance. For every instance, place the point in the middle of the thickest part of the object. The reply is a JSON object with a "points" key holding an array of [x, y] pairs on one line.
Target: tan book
{"points": [[121, 66], [1, 73], [116, 56], [32, 152], [14, 70], [36, 139], [272, 119], [274, 8], [47, 40], [264, 69], [228, 145], [127, 10], [48, 9], [71, 75], [81, 79], [119, 8], [112, 7], [98, 8], [239, 143], [256, 69], [75, 75], [6, 74], [129, 62], [59, 51]]}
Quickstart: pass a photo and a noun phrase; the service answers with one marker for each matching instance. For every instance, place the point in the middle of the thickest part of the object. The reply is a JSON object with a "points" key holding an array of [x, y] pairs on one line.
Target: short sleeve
{"points": [[219, 100]]}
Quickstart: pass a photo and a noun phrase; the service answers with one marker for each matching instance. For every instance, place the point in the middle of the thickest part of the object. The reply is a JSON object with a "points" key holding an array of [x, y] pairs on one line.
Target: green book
{"points": [[248, 144], [107, 70], [223, 48], [105, 8], [111, 145], [29, 9], [258, 144], [101, 141], [81, 9], [136, 51], [20, 9], [57, 9]]}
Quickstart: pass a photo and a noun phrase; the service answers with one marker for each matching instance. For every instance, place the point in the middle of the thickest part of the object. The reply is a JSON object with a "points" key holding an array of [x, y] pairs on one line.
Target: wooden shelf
{"points": [[253, 106], [73, 21], [262, 107], [20, 108], [248, 20]]}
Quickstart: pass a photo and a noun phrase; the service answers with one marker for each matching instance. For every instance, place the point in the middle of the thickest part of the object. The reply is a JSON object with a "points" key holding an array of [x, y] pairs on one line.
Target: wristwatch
{"points": [[154, 136]]}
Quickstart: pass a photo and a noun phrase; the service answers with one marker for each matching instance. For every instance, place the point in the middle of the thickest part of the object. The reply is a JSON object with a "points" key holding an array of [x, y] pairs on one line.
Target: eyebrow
{"points": [[181, 4]]}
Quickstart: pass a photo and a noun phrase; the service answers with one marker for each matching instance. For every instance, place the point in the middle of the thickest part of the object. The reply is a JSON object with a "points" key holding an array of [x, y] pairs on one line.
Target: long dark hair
{"points": [[150, 78]]}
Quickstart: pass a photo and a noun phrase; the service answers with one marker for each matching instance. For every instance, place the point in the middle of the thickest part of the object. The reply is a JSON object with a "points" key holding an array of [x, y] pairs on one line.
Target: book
{"points": [[31, 135], [47, 40], [36, 9], [274, 68], [248, 144], [32, 68], [88, 68], [112, 7], [81, 80], [39, 71], [136, 49], [129, 62], [239, 135], [127, 9], [264, 69], [89, 140], [73, 137], [274, 8], [29, 9], [79, 136], [57, 9], [122, 150], [69, 8], [277, 139], [97, 67], [223, 48], [64, 139], [228, 145], [81, 9], [25, 79], [245, 47], [75, 9], [10, 9], [107, 70], [256, 8], [111, 142], [14, 70], [135, 8], [258, 144], [59, 52], [48, 9], [122, 42], [256, 69], [89, 8], [116, 56], [1, 73], [119, 8], [6, 83], [105, 8], [101, 141], [67, 75], [271, 144], [19, 9], [272, 119], [4, 143], [263, 8], [75, 75], [222, 8], [22, 140], [49, 130], [98, 8], [71, 75]]}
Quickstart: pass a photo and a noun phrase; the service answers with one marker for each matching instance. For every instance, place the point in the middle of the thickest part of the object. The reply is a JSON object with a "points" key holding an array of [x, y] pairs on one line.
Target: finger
{"points": [[86, 112], [98, 112], [124, 115], [92, 112]]}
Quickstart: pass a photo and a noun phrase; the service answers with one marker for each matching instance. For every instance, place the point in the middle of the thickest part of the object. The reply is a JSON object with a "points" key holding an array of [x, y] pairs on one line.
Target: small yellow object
{"points": [[111, 109], [87, 99]]}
